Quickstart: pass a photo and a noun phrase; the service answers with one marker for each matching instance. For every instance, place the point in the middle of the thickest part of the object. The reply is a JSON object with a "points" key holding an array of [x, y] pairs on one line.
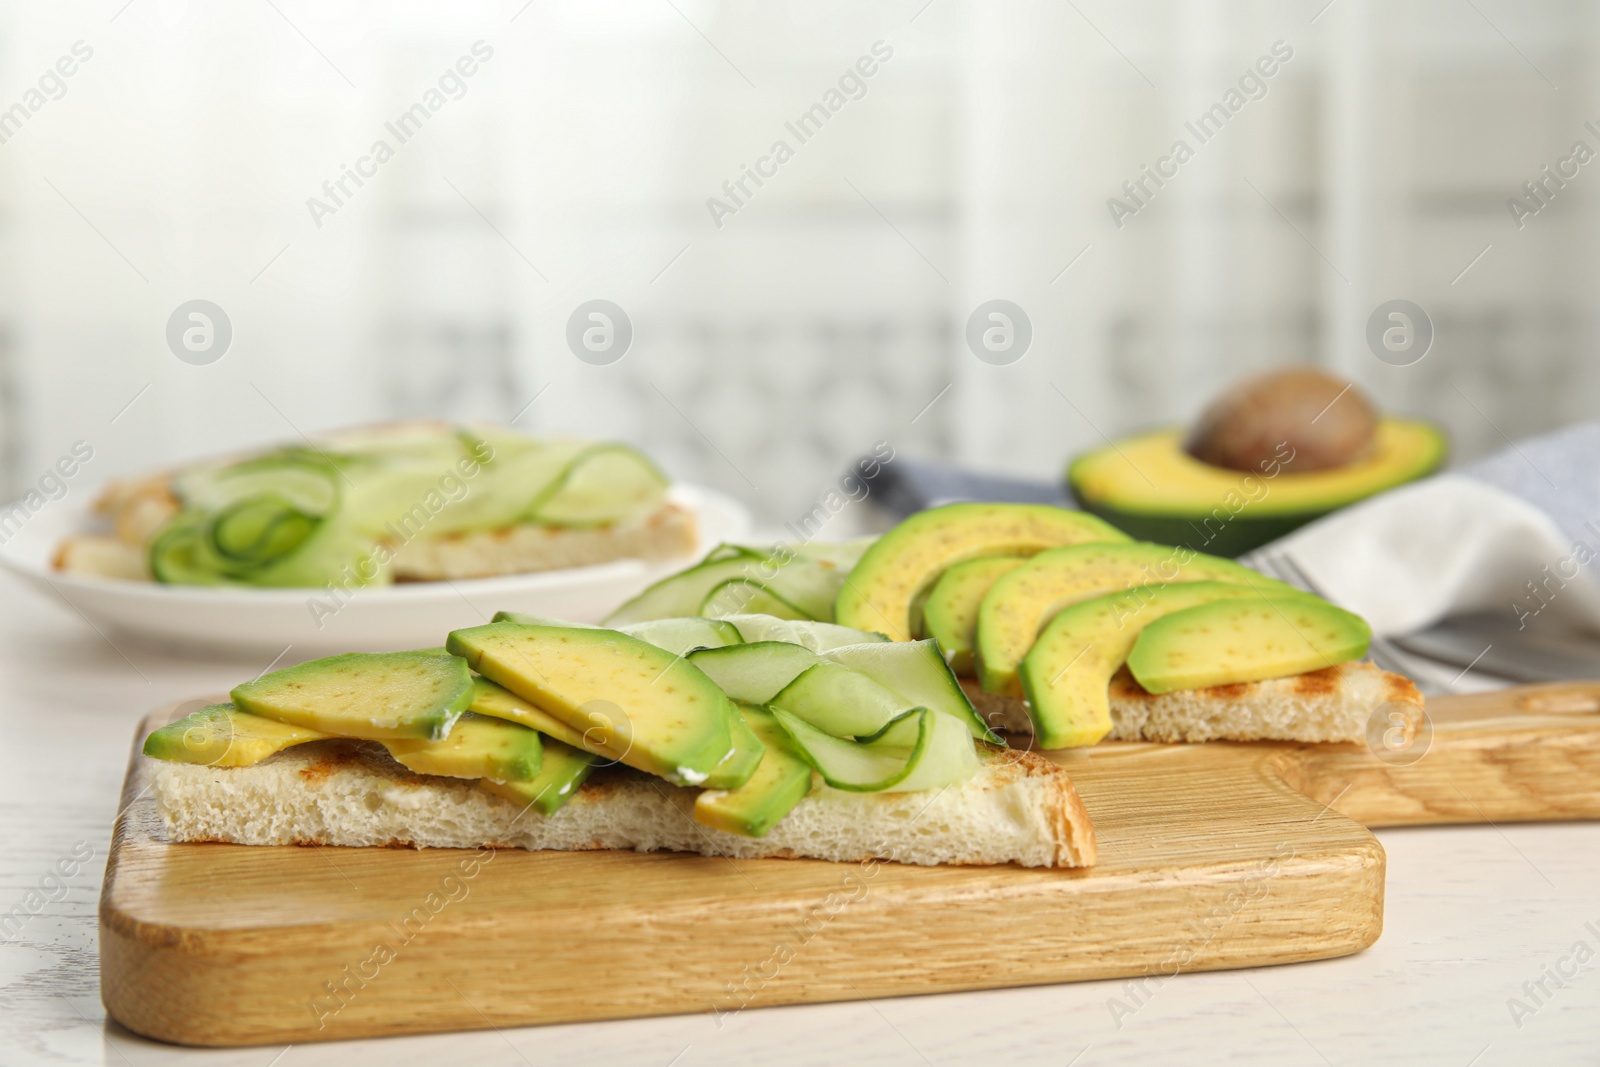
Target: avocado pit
{"points": [[1300, 418]]}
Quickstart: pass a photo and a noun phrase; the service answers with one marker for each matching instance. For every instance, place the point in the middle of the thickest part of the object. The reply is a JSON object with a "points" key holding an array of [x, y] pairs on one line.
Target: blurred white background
{"points": [[829, 311]]}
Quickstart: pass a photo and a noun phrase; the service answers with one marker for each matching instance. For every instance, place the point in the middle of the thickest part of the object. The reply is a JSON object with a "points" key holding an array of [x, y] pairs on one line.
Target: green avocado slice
{"points": [[1019, 604], [223, 736], [657, 710], [478, 747], [780, 782], [565, 769], [950, 614], [372, 696], [881, 591], [1067, 673], [1232, 641]]}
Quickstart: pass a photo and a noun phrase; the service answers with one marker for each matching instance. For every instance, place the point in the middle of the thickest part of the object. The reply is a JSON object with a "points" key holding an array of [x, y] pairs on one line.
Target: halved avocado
{"points": [[1150, 488]]}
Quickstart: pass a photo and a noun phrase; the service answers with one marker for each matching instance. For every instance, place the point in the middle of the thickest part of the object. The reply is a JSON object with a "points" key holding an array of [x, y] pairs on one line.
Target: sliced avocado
{"points": [[883, 587], [1067, 674], [564, 770], [1020, 603], [950, 614], [1151, 488], [373, 696], [741, 763], [495, 700], [658, 710], [781, 781], [498, 702], [223, 736], [478, 747], [1233, 641]]}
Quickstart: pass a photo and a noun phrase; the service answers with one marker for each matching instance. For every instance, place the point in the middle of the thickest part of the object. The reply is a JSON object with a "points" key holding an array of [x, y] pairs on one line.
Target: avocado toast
{"points": [[1061, 625], [746, 736], [415, 501]]}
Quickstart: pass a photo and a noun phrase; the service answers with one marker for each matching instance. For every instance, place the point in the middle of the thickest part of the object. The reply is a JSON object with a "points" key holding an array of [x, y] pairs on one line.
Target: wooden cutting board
{"points": [[1212, 857]]}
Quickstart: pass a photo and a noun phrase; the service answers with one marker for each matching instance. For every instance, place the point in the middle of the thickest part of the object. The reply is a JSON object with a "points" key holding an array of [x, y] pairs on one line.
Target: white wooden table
{"points": [[1473, 914]]}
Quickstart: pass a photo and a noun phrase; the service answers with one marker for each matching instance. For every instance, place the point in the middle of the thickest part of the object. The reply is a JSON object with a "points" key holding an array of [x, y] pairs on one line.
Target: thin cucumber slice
{"points": [[308, 516], [309, 484], [372, 696], [779, 583], [564, 770], [918, 672], [817, 636], [604, 484], [842, 702], [942, 754], [682, 636], [223, 736], [744, 595], [682, 593], [754, 672], [842, 554], [907, 674], [811, 585], [781, 781], [478, 747]]}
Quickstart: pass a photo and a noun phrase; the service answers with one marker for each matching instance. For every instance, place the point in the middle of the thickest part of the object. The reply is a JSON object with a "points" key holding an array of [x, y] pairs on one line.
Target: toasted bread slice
{"points": [[1334, 704], [1019, 808], [102, 556], [666, 533]]}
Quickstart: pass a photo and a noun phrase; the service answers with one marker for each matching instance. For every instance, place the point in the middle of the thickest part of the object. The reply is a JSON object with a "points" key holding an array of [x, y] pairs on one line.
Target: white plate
{"points": [[410, 615]]}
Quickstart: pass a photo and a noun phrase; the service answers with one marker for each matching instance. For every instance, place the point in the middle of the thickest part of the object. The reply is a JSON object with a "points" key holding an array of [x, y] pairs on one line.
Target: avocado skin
{"points": [[1239, 535], [1245, 531]]}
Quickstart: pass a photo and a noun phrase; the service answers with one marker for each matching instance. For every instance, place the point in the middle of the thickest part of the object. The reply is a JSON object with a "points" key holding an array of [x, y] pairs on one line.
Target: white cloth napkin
{"points": [[1517, 532]]}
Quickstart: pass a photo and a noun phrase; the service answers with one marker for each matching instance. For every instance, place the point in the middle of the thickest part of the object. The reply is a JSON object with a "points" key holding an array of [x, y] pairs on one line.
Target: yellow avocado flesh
{"points": [[371, 696], [658, 711], [1066, 676], [950, 614], [780, 782], [498, 701], [1020, 604], [478, 747], [564, 769], [880, 590], [223, 736], [492, 699], [1152, 475], [1233, 641]]}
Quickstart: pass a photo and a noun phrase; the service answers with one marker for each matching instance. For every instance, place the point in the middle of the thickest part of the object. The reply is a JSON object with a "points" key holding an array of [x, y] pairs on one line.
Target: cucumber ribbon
{"points": [[868, 716], [783, 583], [310, 516]]}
